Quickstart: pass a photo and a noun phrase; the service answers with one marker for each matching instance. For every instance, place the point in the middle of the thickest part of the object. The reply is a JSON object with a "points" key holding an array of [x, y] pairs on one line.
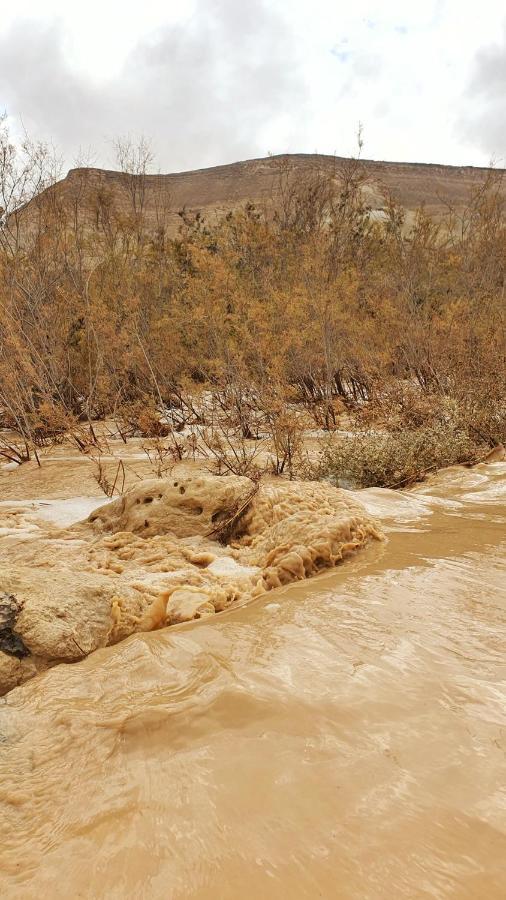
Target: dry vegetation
{"points": [[253, 329]]}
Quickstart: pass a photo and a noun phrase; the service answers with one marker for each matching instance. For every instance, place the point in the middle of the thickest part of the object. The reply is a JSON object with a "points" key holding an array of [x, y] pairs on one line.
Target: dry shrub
{"points": [[394, 459], [285, 430], [402, 404], [162, 453], [14, 451], [230, 452], [103, 480], [484, 416], [402, 325], [141, 417]]}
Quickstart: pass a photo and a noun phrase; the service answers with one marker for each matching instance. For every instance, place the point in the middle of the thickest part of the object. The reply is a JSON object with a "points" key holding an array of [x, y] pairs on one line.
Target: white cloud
{"points": [[216, 80], [486, 96], [206, 89]]}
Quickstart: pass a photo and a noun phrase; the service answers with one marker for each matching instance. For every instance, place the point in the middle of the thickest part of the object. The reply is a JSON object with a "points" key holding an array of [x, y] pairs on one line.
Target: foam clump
{"points": [[295, 530], [167, 552]]}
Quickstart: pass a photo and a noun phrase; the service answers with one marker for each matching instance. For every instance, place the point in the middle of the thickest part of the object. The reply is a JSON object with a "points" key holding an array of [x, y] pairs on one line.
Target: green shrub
{"points": [[394, 459]]}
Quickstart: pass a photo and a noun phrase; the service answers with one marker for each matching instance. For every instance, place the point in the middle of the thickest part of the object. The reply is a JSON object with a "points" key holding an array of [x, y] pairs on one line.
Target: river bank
{"points": [[341, 736]]}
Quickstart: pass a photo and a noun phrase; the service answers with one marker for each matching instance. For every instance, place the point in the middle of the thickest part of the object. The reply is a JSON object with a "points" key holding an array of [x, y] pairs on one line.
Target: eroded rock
{"points": [[58, 615], [10, 642], [195, 505], [167, 552]]}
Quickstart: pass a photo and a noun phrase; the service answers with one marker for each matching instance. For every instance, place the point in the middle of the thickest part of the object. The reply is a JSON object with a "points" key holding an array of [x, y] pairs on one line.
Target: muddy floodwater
{"points": [[341, 737]]}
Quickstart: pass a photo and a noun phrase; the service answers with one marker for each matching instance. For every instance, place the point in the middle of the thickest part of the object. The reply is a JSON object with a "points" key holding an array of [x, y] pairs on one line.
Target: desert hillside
{"points": [[97, 193], [327, 317]]}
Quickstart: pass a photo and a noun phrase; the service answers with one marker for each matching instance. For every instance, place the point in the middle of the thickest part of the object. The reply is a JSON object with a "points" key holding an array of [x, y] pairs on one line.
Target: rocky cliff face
{"points": [[96, 196]]}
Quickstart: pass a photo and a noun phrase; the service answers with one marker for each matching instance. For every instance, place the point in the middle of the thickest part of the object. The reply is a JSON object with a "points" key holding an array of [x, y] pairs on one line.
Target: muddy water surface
{"points": [[340, 738]]}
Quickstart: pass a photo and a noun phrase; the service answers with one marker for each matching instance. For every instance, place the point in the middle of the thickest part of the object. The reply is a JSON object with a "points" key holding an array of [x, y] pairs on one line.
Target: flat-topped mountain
{"points": [[94, 195]]}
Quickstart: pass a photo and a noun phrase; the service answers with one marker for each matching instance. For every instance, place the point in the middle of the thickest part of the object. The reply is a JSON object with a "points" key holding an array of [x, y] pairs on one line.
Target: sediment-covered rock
{"points": [[10, 641], [496, 454], [62, 617], [184, 507], [168, 551]]}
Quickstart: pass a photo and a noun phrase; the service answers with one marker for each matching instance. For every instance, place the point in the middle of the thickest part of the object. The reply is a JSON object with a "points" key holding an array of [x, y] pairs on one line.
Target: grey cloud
{"points": [[483, 118], [205, 93]]}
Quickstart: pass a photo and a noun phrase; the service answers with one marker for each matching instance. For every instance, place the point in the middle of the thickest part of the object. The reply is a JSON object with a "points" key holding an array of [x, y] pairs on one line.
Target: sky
{"points": [[215, 81]]}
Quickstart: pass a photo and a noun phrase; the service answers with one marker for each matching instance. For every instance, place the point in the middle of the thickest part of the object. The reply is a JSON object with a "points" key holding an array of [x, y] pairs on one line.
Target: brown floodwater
{"points": [[343, 737]]}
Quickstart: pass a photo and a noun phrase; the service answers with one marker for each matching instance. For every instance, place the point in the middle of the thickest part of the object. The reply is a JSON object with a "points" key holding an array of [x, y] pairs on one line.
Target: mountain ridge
{"points": [[212, 192]]}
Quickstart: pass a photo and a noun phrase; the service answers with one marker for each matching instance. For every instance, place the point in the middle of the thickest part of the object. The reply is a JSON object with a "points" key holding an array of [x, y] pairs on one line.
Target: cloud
{"points": [[212, 81], [217, 88], [483, 119]]}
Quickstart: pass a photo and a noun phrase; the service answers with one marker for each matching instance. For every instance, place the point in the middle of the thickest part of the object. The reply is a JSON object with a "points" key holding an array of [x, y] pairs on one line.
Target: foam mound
{"points": [[167, 552]]}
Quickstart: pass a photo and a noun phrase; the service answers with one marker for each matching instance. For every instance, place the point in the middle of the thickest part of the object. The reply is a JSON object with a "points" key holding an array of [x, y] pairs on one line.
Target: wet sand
{"points": [[342, 737]]}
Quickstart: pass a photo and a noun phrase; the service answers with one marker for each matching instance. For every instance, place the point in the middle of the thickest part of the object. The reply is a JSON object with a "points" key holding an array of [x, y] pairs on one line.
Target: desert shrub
{"points": [[394, 459], [229, 451], [397, 329], [142, 417], [402, 404], [484, 417]]}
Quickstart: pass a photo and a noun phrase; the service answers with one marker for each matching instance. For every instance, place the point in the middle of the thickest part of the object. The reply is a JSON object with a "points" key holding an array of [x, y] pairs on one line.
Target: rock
{"points": [[15, 671], [58, 617], [185, 506], [10, 642], [159, 559], [497, 454]]}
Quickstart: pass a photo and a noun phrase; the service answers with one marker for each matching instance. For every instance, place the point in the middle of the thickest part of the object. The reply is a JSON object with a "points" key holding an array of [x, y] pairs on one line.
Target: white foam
{"points": [[225, 565], [67, 512]]}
